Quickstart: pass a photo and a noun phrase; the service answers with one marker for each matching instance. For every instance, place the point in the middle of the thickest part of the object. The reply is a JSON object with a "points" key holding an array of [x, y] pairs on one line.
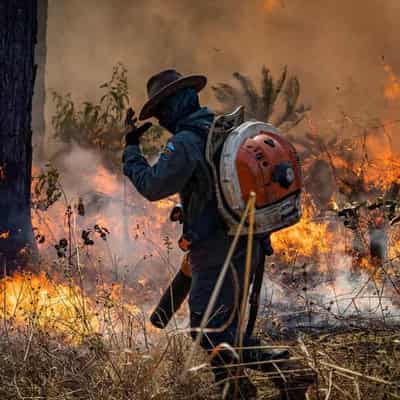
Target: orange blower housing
{"points": [[267, 164], [252, 156]]}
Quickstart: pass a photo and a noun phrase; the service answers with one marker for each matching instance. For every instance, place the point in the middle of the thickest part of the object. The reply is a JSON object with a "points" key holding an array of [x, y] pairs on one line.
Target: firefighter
{"points": [[182, 168]]}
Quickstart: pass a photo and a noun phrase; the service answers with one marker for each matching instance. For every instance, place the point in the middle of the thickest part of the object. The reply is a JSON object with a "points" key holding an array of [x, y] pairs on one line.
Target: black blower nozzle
{"points": [[171, 300]]}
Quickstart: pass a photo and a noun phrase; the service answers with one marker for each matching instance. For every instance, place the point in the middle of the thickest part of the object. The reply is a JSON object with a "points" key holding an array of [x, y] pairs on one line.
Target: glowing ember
{"points": [[2, 173], [392, 87], [367, 264], [271, 5], [394, 243], [4, 235]]}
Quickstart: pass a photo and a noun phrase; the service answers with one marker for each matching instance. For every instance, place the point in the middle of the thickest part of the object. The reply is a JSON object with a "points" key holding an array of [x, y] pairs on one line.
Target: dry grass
{"points": [[357, 365], [39, 365]]}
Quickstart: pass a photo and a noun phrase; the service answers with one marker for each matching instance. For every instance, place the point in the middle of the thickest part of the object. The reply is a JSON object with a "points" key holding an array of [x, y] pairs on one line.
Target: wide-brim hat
{"points": [[165, 84]]}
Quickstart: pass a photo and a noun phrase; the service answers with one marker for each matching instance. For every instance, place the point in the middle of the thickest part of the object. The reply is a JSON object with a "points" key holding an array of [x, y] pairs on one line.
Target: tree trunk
{"points": [[39, 97], [18, 26]]}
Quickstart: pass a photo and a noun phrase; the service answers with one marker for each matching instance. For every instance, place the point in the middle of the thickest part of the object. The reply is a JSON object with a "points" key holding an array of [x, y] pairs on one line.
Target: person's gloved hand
{"points": [[133, 136]]}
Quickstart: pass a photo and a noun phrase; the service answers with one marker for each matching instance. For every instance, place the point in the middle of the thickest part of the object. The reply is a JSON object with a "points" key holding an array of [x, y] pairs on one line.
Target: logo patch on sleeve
{"points": [[168, 149]]}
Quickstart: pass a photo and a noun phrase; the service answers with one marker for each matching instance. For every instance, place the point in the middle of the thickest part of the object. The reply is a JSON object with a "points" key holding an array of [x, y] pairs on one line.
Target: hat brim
{"points": [[197, 82]]}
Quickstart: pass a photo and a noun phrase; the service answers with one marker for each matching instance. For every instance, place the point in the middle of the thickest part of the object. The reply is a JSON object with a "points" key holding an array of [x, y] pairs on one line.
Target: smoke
{"points": [[335, 48], [128, 233], [342, 300]]}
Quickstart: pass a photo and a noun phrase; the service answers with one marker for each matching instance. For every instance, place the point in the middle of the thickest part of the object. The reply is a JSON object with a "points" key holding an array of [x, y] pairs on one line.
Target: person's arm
{"points": [[167, 177]]}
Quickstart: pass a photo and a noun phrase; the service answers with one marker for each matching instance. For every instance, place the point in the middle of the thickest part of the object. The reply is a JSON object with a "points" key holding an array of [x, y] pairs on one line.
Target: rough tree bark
{"points": [[18, 29], [39, 96]]}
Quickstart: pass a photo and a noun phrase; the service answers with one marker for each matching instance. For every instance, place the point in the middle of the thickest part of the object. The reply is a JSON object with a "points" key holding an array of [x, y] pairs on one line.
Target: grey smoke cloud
{"points": [[335, 47]]}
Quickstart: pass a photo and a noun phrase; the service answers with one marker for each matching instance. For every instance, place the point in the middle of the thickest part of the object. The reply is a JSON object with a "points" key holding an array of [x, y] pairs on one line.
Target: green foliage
{"points": [[263, 105], [100, 125], [46, 189], [90, 124]]}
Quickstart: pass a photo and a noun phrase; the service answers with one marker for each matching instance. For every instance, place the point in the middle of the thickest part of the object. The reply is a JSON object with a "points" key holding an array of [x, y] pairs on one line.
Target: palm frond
{"points": [[291, 94], [281, 81], [249, 91], [267, 93], [227, 94], [262, 105]]}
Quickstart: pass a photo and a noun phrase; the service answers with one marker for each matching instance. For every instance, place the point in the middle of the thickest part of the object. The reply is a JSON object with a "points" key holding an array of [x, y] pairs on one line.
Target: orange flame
{"points": [[375, 161], [306, 238], [35, 299], [39, 302], [383, 168]]}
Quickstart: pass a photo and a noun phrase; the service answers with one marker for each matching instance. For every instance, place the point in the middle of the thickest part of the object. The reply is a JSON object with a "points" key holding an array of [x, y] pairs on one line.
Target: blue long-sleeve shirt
{"points": [[182, 169], [170, 173]]}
